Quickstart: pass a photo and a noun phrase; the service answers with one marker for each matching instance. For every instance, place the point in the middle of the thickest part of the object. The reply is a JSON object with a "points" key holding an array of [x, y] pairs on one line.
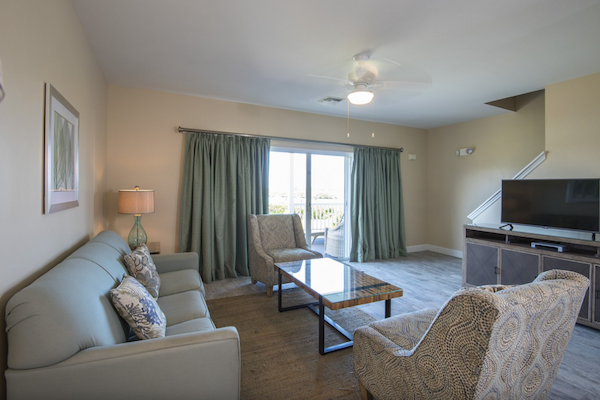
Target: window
{"points": [[315, 185]]}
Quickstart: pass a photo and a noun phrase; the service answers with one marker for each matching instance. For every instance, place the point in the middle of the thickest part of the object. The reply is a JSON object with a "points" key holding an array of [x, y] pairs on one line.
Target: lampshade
{"points": [[136, 201], [360, 95]]}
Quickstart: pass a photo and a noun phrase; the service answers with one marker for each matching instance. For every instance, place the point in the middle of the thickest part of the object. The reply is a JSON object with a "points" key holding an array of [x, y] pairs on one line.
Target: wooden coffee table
{"points": [[335, 285]]}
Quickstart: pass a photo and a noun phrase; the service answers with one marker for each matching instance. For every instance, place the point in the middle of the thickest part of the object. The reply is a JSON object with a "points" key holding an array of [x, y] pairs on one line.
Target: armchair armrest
{"points": [[257, 253], [406, 330], [176, 262], [194, 365]]}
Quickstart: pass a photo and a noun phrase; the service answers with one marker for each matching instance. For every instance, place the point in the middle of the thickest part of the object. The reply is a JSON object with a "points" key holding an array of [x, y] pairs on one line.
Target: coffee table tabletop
{"points": [[335, 285], [339, 284]]}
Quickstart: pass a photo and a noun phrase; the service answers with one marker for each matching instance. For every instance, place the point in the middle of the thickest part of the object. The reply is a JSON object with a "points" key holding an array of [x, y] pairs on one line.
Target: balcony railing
{"points": [[324, 213]]}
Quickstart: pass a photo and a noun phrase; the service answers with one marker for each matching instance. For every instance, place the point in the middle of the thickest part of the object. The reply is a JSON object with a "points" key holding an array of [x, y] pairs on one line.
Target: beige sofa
{"points": [[66, 341]]}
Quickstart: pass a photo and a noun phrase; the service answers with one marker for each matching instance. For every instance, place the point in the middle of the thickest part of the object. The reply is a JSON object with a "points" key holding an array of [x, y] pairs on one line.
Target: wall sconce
{"points": [[467, 151]]}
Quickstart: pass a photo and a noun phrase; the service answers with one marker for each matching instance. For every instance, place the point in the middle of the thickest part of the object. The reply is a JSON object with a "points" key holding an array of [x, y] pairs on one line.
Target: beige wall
{"points": [[572, 129], [42, 41], [456, 186], [145, 150]]}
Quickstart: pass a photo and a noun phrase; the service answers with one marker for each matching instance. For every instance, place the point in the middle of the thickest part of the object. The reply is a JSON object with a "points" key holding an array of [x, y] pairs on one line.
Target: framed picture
{"points": [[61, 188]]}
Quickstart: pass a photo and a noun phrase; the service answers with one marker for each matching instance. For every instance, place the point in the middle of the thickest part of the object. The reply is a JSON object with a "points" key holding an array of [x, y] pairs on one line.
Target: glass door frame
{"points": [[348, 159]]}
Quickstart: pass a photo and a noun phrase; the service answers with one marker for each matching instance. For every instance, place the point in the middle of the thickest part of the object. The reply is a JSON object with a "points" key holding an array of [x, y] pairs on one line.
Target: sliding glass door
{"points": [[315, 186]]}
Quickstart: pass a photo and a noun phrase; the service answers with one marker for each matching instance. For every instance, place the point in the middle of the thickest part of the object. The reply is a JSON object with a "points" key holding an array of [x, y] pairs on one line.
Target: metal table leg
{"points": [[388, 308]]}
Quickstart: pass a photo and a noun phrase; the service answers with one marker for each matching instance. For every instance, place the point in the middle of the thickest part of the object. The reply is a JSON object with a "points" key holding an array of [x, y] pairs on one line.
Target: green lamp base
{"points": [[137, 235]]}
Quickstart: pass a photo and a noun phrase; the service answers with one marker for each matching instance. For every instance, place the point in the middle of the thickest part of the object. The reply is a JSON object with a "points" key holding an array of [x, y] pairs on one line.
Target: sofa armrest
{"points": [[176, 262], [194, 365]]}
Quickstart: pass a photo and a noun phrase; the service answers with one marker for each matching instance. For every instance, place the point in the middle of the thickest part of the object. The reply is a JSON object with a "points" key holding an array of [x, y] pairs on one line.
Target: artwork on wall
{"points": [[61, 189]]}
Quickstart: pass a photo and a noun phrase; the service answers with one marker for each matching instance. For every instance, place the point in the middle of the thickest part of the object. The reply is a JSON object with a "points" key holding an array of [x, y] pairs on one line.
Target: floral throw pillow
{"points": [[139, 309], [140, 265]]}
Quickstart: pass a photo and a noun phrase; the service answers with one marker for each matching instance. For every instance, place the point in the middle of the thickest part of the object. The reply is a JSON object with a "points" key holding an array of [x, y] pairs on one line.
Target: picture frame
{"points": [[61, 137]]}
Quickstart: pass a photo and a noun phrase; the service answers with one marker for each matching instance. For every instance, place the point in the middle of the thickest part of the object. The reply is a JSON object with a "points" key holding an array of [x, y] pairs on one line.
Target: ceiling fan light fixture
{"points": [[360, 95]]}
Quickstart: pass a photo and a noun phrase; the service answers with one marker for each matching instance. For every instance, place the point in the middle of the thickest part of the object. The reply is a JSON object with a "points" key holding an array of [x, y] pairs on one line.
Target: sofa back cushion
{"points": [[276, 231], [61, 313], [114, 240], [106, 250]]}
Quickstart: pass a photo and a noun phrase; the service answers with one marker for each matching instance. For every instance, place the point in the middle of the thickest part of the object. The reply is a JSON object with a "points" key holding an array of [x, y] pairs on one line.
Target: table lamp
{"points": [[136, 202]]}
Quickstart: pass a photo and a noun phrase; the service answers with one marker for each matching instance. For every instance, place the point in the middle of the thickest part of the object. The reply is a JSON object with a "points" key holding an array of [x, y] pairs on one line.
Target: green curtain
{"points": [[225, 178], [377, 215]]}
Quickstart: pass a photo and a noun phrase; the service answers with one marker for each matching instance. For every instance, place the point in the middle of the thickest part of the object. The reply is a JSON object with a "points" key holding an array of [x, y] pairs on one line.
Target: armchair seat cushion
{"points": [[285, 255]]}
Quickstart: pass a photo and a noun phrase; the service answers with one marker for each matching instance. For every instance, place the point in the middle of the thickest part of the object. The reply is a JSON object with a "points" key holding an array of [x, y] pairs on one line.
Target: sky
{"points": [[327, 174]]}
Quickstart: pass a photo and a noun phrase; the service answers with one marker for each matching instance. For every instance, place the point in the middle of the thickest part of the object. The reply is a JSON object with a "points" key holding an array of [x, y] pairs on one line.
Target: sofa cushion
{"points": [[63, 312], [140, 265], [285, 255], [139, 309], [104, 256], [181, 307], [114, 240], [179, 281], [193, 325]]}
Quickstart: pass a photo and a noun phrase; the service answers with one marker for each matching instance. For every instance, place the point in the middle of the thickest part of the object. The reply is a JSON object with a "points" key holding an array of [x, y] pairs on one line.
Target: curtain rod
{"points": [[186, 130]]}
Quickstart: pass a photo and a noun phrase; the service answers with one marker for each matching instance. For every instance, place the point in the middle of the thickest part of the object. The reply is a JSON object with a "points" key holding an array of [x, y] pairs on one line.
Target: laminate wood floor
{"points": [[428, 279]]}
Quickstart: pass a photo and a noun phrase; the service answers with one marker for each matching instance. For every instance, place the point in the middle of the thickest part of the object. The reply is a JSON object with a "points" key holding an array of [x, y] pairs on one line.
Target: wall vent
{"points": [[330, 100]]}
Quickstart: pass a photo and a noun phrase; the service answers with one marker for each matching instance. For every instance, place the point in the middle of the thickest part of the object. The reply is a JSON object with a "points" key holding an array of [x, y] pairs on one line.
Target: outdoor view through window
{"points": [[324, 226]]}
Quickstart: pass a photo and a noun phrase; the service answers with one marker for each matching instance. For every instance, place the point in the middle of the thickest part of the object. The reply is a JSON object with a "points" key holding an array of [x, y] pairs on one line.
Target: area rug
{"points": [[280, 354]]}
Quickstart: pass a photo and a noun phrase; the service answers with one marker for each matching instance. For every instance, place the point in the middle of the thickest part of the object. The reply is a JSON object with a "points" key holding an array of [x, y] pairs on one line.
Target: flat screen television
{"points": [[552, 203]]}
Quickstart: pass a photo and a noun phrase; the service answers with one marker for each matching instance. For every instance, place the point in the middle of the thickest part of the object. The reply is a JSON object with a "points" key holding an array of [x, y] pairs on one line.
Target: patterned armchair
{"points": [[490, 342], [275, 238]]}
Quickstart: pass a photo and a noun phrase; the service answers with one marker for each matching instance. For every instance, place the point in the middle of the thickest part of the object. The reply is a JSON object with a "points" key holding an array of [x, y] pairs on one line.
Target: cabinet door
{"points": [[482, 264], [518, 268], [579, 267], [597, 294]]}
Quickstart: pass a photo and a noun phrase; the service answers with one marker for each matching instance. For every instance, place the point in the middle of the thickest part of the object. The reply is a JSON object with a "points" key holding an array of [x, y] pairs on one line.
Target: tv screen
{"points": [[552, 203]]}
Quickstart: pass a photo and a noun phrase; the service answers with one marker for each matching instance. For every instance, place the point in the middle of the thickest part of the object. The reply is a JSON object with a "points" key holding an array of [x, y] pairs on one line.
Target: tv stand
{"points": [[510, 257], [561, 248]]}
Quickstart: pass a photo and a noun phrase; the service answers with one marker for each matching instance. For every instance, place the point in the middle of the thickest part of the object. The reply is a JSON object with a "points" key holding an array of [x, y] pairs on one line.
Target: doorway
{"points": [[316, 187]]}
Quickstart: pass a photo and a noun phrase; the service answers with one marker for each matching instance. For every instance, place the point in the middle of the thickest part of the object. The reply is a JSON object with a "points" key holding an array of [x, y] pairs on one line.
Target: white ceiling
{"points": [[264, 51]]}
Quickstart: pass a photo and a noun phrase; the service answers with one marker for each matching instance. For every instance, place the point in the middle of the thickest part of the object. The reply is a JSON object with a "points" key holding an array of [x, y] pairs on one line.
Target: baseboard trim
{"points": [[435, 249]]}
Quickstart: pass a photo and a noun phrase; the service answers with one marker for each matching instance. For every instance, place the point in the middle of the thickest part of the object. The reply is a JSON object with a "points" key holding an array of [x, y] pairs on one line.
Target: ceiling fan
{"points": [[365, 78]]}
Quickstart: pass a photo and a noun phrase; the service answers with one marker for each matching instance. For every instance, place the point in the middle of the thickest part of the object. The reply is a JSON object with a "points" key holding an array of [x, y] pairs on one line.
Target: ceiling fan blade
{"points": [[345, 81], [392, 61], [405, 85]]}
